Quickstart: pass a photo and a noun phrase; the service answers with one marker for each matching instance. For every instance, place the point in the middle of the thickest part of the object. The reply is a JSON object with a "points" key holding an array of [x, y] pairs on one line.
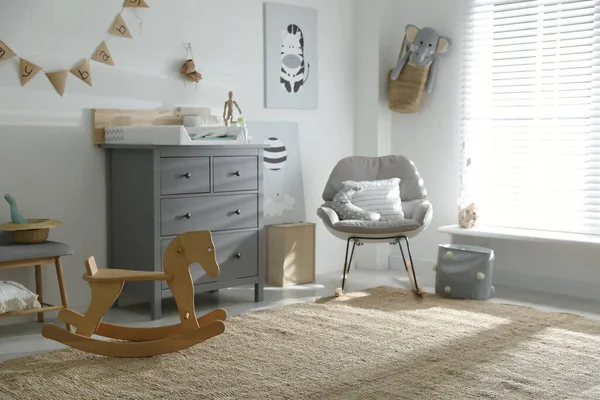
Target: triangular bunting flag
{"points": [[135, 3], [5, 52], [27, 71], [83, 71], [58, 80], [103, 55], [119, 28]]}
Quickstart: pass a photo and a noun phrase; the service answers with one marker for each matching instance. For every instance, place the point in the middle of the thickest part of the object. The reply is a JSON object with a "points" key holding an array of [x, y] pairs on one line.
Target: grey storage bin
{"points": [[464, 272]]}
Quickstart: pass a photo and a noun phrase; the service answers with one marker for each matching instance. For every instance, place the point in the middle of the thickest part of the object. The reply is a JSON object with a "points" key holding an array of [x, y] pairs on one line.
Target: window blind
{"points": [[531, 113]]}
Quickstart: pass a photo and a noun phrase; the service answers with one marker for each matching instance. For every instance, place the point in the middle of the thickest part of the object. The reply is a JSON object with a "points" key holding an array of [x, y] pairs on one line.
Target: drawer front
{"points": [[185, 175], [237, 255], [216, 213], [233, 174]]}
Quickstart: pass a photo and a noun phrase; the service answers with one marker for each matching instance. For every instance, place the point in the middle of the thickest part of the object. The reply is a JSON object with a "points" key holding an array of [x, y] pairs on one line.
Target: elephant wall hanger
{"points": [[417, 68]]}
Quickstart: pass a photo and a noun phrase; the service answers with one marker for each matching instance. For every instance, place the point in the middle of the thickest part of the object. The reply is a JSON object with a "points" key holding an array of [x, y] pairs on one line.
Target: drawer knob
{"points": [[187, 175], [238, 256], [237, 173], [238, 212], [188, 216]]}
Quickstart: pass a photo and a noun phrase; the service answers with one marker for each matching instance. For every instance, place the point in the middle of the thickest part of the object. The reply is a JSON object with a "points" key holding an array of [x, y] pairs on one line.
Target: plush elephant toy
{"points": [[342, 205], [424, 47]]}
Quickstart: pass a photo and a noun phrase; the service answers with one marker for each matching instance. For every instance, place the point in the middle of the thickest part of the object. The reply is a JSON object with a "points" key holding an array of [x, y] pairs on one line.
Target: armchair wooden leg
{"points": [[410, 267], [62, 286], [348, 262], [39, 290]]}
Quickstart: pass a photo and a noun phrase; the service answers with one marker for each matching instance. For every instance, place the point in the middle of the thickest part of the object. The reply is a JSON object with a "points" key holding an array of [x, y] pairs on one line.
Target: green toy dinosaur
{"points": [[15, 215]]}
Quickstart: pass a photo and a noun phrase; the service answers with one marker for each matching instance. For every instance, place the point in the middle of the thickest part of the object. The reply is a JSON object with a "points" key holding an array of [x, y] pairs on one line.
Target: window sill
{"points": [[494, 232]]}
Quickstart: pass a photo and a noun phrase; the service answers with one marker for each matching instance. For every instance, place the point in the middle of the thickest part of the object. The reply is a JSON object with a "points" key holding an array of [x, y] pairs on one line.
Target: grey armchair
{"points": [[418, 211]]}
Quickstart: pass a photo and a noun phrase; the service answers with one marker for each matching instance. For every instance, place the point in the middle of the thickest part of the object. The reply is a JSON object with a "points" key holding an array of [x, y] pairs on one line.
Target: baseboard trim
{"points": [[423, 269], [547, 284], [511, 279], [395, 263]]}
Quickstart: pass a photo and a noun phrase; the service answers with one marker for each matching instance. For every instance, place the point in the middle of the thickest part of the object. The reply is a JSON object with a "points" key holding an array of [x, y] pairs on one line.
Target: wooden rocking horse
{"points": [[106, 286]]}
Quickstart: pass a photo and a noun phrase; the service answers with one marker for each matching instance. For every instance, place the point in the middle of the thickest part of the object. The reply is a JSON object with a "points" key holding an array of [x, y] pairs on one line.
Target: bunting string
{"points": [[82, 70], [140, 21]]}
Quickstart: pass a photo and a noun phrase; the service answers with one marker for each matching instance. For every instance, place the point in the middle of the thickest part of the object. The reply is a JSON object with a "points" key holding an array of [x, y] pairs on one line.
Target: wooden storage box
{"points": [[291, 254]]}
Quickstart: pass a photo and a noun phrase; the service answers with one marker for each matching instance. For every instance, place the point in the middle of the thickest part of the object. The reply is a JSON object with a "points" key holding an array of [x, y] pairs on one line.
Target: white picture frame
{"points": [[291, 57]]}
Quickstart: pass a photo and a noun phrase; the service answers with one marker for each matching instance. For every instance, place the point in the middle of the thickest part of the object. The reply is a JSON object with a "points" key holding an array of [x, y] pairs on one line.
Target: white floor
{"points": [[24, 339]]}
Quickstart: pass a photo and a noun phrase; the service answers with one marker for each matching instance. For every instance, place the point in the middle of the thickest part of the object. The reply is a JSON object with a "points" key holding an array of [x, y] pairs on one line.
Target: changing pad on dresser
{"points": [[173, 135]]}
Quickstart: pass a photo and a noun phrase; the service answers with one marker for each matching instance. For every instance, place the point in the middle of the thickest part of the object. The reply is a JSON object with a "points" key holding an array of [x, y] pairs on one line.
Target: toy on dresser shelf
{"points": [[106, 286], [228, 110], [27, 230]]}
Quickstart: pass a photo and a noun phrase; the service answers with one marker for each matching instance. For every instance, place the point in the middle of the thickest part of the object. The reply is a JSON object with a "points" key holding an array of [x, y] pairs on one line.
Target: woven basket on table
{"points": [[30, 237], [36, 231]]}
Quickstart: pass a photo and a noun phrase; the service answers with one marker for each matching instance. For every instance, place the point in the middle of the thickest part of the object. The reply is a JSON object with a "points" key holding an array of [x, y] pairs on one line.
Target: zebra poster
{"points": [[283, 183], [291, 57]]}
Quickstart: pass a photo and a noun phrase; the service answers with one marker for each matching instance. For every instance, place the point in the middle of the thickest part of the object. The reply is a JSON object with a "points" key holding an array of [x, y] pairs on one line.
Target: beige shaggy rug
{"points": [[382, 343]]}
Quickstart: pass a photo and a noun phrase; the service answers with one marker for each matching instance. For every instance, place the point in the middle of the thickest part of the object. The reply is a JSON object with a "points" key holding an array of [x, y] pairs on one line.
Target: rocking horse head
{"points": [[188, 248]]}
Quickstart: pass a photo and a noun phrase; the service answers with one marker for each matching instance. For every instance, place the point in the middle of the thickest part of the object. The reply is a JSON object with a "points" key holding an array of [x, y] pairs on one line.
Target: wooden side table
{"points": [[291, 254], [36, 255]]}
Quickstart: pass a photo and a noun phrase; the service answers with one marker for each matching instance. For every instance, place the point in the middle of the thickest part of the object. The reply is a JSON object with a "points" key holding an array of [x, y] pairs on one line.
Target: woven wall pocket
{"points": [[405, 95]]}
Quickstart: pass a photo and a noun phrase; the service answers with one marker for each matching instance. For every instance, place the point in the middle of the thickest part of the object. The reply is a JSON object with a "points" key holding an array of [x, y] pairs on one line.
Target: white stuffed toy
{"points": [[342, 204]]}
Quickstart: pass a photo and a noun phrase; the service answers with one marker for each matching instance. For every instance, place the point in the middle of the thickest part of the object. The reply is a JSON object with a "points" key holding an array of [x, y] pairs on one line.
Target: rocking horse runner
{"points": [[106, 286]]}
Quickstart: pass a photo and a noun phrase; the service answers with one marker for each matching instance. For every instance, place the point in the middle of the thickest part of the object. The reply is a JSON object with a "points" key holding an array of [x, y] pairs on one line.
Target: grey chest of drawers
{"points": [[156, 193]]}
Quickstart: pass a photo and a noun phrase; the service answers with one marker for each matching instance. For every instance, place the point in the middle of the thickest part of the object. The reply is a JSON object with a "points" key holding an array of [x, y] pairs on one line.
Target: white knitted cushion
{"points": [[16, 297], [381, 197]]}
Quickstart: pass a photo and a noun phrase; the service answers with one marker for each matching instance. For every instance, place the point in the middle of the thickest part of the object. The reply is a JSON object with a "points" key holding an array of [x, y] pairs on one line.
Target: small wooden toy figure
{"points": [[228, 110]]}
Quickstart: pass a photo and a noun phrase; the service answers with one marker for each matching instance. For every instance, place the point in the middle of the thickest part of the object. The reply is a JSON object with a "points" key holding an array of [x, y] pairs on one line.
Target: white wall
{"points": [[47, 160], [431, 138], [366, 38], [372, 119]]}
